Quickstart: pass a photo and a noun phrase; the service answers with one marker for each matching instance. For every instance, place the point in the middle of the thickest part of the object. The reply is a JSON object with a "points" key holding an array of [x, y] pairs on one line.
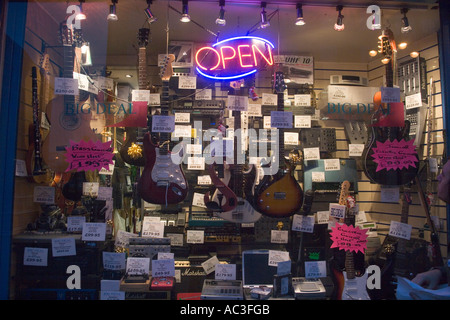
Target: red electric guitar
{"points": [[162, 181]]}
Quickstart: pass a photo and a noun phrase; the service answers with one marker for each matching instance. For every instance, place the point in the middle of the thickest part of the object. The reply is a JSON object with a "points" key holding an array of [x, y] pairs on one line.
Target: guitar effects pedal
{"points": [[162, 283]]}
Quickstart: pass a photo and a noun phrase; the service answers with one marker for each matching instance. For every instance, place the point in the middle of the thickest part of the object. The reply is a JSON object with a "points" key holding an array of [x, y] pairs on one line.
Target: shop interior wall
{"points": [[42, 27]]}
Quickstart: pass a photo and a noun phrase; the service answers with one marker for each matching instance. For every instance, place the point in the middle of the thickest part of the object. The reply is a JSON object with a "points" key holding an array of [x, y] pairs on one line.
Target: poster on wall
{"points": [[298, 69]]}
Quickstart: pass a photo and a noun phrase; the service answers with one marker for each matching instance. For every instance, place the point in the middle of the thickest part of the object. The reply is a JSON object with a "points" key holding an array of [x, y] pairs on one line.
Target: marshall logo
{"points": [[192, 273]]}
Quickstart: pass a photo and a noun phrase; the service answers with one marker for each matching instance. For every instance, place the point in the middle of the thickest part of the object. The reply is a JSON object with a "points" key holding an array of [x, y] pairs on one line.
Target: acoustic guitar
{"points": [[132, 149], [66, 126], [162, 181], [392, 165], [350, 285], [279, 195]]}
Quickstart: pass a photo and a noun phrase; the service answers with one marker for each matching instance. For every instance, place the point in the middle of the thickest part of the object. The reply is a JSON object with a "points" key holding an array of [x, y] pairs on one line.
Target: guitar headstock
{"points": [[344, 192], [166, 69], [386, 43], [65, 34], [278, 83], [44, 64], [78, 38], [143, 35]]}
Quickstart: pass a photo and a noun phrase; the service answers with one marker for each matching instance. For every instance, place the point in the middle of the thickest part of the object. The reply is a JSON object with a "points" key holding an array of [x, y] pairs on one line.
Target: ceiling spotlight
{"points": [[402, 45], [414, 54], [405, 24], [264, 22], [112, 16], [148, 13], [81, 15], [221, 19], [385, 60], [185, 16], [339, 25], [373, 53], [299, 21]]}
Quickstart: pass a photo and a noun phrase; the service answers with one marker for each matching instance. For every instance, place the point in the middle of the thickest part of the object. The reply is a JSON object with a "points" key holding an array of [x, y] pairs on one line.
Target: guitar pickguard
{"points": [[355, 289], [166, 172]]}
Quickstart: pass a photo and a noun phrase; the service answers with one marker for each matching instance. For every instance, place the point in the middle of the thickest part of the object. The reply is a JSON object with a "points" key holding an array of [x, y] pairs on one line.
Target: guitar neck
{"points": [[280, 107], [165, 136], [142, 68], [68, 70]]}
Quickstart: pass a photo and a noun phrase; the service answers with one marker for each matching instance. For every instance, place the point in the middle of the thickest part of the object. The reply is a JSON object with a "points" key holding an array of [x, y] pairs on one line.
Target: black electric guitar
{"points": [[132, 150], [162, 181], [389, 166], [279, 195]]}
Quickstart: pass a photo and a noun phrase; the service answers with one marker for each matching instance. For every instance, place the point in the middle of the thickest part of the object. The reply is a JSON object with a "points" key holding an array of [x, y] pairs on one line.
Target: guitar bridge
{"points": [[162, 183]]}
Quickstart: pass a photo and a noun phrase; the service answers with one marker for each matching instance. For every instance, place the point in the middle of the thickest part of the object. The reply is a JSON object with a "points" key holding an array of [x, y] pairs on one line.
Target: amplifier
{"points": [[201, 107], [148, 241], [412, 76]]}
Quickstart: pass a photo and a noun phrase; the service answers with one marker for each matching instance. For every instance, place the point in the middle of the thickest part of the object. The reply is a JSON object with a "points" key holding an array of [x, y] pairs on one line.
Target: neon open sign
{"points": [[234, 58]]}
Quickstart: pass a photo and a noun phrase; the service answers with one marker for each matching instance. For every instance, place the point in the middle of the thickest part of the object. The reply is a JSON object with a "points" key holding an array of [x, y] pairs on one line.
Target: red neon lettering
{"points": [[224, 57], [269, 61], [207, 48], [244, 55]]}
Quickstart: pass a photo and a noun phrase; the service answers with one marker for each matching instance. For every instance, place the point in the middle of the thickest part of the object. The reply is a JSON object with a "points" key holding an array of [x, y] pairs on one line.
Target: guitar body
{"points": [[391, 177], [351, 289], [162, 181], [223, 199], [279, 195], [132, 158], [242, 213], [64, 128]]}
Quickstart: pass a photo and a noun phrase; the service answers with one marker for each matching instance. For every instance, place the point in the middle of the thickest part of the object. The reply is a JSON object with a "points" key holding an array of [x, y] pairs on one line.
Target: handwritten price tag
{"points": [[35, 257], [66, 86], [163, 268], [225, 271], [90, 155], [138, 266], [93, 231], [114, 260], [303, 223], [400, 230], [63, 247]]}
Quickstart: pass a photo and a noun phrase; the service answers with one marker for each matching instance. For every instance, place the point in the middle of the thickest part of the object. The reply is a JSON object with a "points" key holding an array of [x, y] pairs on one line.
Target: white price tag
{"points": [[390, 94], [176, 239], [315, 269], [138, 266], [311, 153], [302, 100], [194, 149], [44, 194], [152, 229], [400, 230], [281, 119], [337, 210], [154, 99], [204, 180], [210, 264], [123, 238], [75, 223], [140, 95], [254, 110], [323, 217], [225, 271], [318, 176], [279, 236], [163, 123], [114, 260], [198, 200], [332, 164], [182, 117], [276, 256], [203, 94], [432, 162], [63, 247], [413, 101], [303, 223], [90, 189], [291, 138], [269, 99], [182, 131], [93, 231], [21, 168], [355, 149], [237, 103], [187, 82], [195, 236], [302, 121], [35, 257], [267, 122], [196, 163], [163, 268], [66, 86]]}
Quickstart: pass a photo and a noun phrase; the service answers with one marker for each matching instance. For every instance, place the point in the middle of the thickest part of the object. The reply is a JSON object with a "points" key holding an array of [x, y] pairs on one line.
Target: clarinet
{"points": [[37, 170]]}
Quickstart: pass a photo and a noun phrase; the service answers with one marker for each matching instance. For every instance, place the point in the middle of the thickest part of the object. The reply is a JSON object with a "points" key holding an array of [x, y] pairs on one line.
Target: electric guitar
{"points": [[132, 151], [279, 195], [65, 125], [350, 286], [162, 181], [239, 180], [391, 168]]}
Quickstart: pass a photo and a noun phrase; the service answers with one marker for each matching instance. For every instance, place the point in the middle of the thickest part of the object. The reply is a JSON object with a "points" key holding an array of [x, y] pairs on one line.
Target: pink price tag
{"points": [[84, 156], [349, 238], [393, 155]]}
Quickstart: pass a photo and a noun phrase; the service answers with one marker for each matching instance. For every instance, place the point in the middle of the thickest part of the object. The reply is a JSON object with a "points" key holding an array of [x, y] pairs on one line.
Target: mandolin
{"points": [[350, 285], [131, 151], [162, 181], [65, 126], [279, 195], [389, 157]]}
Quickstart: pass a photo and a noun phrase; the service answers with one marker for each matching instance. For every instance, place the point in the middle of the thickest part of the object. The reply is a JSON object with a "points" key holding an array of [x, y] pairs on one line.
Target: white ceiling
{"points": [[115, 43]]}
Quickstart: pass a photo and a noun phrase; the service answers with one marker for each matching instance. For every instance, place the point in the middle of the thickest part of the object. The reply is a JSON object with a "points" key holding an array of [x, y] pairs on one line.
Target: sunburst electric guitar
{"points": [[279, 195], [162, 181]]}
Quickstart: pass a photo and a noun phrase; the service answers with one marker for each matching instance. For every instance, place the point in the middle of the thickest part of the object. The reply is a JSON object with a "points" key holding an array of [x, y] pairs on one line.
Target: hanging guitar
{"points": [[389, 157], [350, 285], [162, 181], [279, 195], [132, 151], [65, 126], [238, 181]]}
